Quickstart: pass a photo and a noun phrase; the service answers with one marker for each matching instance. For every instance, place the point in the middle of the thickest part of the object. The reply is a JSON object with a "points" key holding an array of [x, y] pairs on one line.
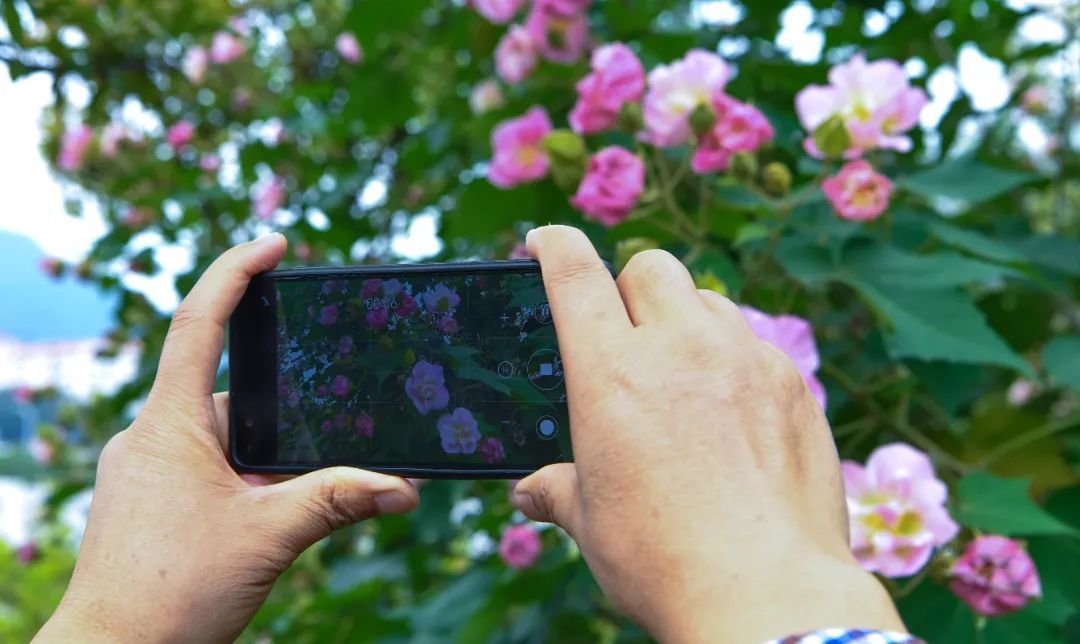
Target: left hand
{"points": [[179, 547]]}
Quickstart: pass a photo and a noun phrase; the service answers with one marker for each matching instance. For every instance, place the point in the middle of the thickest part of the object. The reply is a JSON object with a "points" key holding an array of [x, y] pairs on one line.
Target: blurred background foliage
{"points": [[951, 323]]}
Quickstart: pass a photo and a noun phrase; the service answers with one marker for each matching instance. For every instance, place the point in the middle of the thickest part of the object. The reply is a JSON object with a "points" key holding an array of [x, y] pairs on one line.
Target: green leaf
{"points": [[927, 315], [1056, 253], [939, 325], [975, 243], [1002, 506], [1061, 358], [719, 265], [346, 574], [889, 266], [453, 605], [965, 179], [934, 614]]}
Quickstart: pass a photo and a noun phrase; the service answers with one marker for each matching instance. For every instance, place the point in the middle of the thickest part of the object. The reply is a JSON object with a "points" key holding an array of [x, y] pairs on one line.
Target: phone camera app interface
{"points": [[425, 370]]}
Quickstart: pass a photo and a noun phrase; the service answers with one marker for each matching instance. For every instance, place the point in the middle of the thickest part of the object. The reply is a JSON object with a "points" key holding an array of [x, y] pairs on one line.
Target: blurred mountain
{"points": [[35, 307]]}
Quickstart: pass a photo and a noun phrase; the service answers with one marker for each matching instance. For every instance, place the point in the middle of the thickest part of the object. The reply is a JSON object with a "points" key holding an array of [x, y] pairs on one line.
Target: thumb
{"points": [[551, 495], [310, 507]]}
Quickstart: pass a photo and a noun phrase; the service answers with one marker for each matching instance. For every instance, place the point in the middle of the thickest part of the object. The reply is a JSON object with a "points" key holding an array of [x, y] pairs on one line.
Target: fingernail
{"points": [[393, 502], [530, 234], [271, 239], [524, 502]]}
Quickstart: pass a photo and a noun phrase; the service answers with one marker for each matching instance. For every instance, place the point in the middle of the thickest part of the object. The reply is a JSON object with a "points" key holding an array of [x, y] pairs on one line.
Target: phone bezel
{"points": [[255, 376]]}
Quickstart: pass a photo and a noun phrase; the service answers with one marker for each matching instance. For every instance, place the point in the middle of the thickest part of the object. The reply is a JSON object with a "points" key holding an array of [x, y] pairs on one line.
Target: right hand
{"points": [[706, 493]]}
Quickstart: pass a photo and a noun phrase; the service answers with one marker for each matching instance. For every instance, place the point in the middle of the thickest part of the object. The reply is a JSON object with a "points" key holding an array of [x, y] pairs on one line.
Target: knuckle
{"points": [[650, 263], [185, 319], [574, 273], [337, 508], [545, 500]]}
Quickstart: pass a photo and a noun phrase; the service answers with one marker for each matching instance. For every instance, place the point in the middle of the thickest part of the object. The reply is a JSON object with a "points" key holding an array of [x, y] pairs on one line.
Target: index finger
{"points": [[192, 349], [585, 302]]}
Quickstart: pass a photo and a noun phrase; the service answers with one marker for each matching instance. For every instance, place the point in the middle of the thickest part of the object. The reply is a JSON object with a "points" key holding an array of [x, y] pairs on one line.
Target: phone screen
{"points": [[446, 369]]}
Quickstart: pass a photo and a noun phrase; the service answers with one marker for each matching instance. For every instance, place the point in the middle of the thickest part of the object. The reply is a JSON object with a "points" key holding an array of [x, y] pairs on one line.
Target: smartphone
{"points": [[424, 370]]}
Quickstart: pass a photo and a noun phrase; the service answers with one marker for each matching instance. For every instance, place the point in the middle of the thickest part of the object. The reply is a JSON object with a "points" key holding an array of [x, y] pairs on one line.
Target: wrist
{"points": [[757, 605], [69, 624]]}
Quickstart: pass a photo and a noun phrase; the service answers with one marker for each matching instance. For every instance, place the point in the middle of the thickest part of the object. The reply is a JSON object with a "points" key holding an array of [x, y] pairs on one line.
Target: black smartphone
{"points": [[425, 370]]}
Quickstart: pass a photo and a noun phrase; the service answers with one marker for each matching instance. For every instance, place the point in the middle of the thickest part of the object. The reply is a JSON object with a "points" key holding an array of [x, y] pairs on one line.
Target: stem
{"points": [[667, 189], [897, 422], [1045, 431]]}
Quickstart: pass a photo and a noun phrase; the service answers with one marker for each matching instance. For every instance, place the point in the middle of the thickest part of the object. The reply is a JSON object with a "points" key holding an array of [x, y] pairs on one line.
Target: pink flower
{"points": [[559, 37], [348, 47], [675, 90], [492, 450], [518, 155], [225, 48], [267, 197], [617, 78], [179, 135], [441, 298], [519, 251], [611, 187], [896, 508], [1020, 391], [520, 546], [41, 450], [194, 64], [23, 394], [73, 146], [341, 421], [485, 97], [345, 345], [1035, 99], [568, 7], [458, 432], [377, 318], [371, 288], [327, 426], [209, 163], [51, 266], [365, 425], [795, 337], [112, 136], [515, 55], [875, 101], [328, 315], [739, 127], [406, 306], [322, 391], [995, 576], [448, 325], [339, 386], [426, 387], [858, 192], [136, 217], [27, 553], [498, 11]]}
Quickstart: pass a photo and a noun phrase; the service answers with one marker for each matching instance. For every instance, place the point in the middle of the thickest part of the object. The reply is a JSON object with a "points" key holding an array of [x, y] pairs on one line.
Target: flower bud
{"points": [[631, 119], [832, 137], [709, 280], [567, 158], [627, 248], [776, 179], [702, 119], [743, 166]]}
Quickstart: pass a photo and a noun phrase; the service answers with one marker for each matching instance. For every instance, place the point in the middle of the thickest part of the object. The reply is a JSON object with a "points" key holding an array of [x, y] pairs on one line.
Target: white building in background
{"points": [[72, 366]]}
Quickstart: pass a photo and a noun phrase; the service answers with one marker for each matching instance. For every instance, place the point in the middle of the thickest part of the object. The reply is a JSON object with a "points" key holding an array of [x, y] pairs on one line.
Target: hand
{"points": [[178, 546], [706, 493]]}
